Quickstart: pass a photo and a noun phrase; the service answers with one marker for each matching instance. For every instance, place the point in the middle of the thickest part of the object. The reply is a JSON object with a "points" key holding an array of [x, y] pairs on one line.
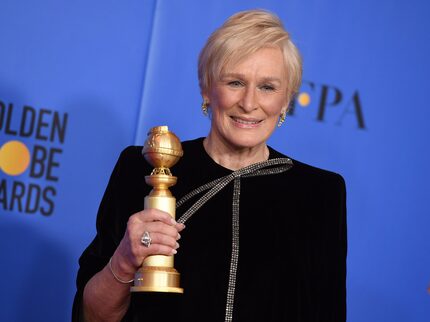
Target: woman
{"points": [[291, 262]]}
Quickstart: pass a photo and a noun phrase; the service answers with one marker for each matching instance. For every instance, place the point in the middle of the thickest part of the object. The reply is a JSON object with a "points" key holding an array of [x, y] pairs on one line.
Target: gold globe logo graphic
{"points": [[14, 158], [304, 99]]}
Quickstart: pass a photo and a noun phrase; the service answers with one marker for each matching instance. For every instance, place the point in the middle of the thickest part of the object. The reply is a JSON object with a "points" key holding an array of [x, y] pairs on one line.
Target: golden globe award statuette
{"points": [[162, 149]]}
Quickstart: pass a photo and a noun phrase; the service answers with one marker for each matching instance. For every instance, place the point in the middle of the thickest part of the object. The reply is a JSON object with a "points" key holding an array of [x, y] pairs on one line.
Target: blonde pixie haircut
{"points": [[243, 34]]}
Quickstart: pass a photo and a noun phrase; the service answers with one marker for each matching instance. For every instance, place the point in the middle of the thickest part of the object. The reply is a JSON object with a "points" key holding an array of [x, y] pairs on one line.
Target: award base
{"points": [[157, 279]]}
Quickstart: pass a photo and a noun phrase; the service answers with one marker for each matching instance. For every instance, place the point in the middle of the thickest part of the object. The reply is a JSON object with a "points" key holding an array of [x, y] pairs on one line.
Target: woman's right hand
{"points": [[164, 233]]}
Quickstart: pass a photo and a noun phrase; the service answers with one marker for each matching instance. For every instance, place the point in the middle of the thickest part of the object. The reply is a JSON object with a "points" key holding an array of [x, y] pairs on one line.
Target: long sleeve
{"points": [[112, 216]]}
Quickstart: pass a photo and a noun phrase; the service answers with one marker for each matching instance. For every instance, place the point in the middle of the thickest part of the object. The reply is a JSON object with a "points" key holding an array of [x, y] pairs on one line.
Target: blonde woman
{"points": [[270, 245]]}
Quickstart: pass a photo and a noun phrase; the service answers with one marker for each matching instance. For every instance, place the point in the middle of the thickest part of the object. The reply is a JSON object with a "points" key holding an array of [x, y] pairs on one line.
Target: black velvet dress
{"points": [[292, 253]]}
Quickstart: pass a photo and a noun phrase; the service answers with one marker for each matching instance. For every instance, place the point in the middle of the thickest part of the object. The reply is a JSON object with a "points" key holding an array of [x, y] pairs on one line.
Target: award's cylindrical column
{"points": [[167, 204]]}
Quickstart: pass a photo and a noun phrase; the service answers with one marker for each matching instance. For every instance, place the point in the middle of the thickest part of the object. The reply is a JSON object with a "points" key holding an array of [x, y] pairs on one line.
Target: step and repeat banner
{"points": [[80, 81]]}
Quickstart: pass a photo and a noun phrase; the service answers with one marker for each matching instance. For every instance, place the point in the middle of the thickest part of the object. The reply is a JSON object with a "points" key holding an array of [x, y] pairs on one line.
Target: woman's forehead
{"points": [[268, 63]]}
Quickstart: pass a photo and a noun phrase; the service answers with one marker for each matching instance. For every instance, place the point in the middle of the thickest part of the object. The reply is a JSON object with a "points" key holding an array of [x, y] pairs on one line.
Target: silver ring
{"points": [[146, 239]]}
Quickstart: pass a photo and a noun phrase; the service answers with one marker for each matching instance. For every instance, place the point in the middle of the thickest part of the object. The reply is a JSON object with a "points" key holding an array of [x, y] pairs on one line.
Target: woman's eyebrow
{"points": [[242, 76]]}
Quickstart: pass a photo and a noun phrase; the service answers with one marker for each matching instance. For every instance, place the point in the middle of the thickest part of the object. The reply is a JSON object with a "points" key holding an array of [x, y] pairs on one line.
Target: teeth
{"points": [[245, 122]]}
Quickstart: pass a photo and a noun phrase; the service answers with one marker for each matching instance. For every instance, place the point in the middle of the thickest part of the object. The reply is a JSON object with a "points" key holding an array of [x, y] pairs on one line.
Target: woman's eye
{"points": [[235, 83], [267, 88]]}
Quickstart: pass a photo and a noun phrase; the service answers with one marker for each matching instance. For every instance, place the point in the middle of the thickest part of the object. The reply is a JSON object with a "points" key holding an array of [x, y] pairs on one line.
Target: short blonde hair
{"points": [[243, 34]]}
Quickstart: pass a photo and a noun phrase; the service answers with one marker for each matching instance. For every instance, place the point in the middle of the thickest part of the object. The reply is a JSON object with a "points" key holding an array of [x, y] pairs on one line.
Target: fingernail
{"points": [[178, 237], [173, 221], [174, 251], [176, 246]]}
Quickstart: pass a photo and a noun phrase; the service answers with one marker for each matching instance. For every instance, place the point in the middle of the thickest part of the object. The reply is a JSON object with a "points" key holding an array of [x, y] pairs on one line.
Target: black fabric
{"points": [[292, 259]]}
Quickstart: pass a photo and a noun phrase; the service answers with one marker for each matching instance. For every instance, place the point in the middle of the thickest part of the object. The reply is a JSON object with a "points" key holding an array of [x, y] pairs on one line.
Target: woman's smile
{"points": [[246, 123]]}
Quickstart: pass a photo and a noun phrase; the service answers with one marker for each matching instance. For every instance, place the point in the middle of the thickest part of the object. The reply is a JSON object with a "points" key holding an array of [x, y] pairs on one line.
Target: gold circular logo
{"points": [[304, 99], [14, 158]]}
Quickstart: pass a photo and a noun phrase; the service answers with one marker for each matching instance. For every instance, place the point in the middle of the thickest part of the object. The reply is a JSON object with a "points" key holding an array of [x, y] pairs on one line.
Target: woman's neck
{"points": [[234, 158]]}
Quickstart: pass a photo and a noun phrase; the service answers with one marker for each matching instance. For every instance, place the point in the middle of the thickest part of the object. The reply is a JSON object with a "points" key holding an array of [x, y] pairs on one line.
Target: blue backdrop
{"points": [[80, 80]]}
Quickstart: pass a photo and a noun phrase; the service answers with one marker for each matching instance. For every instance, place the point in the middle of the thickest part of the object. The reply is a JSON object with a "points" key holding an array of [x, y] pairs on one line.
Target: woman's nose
{"points": [[248, 101]]}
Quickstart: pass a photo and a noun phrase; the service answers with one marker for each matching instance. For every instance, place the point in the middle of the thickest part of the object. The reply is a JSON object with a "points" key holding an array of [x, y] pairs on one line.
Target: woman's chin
{"points": [[241, 143]]}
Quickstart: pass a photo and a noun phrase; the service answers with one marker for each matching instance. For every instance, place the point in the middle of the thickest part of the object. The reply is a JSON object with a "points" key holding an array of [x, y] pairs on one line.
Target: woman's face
{"points": [[247, 100]]}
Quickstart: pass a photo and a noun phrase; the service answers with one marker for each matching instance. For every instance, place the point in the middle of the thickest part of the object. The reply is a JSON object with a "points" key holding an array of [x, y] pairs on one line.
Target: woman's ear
{"points": [[205, 97]]}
